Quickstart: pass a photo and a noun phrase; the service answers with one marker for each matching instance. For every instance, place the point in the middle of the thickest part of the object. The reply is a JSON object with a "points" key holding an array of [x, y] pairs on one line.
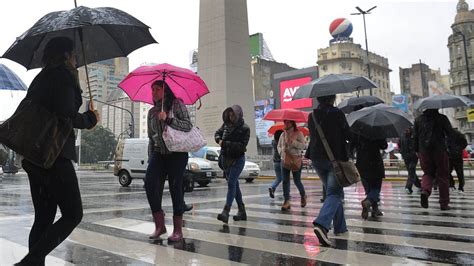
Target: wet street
{"points": [[117, 221]]}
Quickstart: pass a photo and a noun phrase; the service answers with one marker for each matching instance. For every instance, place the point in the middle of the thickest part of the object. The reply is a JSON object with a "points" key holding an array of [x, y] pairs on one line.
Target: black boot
{"points": [[375, 210], [241, 214], [224, 215]]}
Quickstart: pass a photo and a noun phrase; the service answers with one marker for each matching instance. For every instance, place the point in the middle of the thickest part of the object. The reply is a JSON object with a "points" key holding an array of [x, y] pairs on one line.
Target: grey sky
{"points": [[402, 31]]}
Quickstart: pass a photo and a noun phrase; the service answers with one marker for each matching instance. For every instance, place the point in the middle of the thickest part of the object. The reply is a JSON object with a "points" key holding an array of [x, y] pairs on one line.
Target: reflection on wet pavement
{"points": [[117, 221]]}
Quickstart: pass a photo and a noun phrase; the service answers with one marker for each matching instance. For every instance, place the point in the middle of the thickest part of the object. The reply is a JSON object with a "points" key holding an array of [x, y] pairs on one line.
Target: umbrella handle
{"points": [[86, 69], [200, 104], [163, 95]]}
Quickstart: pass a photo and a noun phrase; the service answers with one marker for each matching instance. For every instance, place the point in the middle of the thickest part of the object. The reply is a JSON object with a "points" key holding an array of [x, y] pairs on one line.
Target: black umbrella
{"points": [[349, 105], [441, 101], [98, 33], [333, 84], [379, 121]]}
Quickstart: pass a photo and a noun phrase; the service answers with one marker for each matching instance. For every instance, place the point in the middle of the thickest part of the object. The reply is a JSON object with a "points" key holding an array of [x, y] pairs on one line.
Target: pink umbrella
{"points": [[184, 83]]}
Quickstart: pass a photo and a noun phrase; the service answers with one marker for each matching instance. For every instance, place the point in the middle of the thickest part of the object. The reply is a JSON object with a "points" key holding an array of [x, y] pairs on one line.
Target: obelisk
{"points": [[224, 64]]}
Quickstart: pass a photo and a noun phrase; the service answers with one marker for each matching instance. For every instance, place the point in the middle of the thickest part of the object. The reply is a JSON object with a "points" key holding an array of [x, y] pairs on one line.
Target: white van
{"points": [[249, 173], [131, 162]]}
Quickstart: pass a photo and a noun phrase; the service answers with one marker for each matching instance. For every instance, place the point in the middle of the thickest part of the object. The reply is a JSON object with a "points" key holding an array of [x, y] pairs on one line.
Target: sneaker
{"points": [[452, 189], [271, 192], [303, 201], [424, 200], [408, 191], [445, 208], [346, 233], [322, 235]]}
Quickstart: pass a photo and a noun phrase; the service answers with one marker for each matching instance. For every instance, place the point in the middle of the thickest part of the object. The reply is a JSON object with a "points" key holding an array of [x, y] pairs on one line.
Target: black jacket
{"points": [[407, 147], [431, 131], [335, 128], [456, 145], [57, 88], [276, 154], [235, 137], [369, 159]]}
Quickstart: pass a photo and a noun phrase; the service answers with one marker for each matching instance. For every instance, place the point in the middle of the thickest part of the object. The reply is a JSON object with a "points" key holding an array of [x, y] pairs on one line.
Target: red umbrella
{"points": [[281, 115], [273, 129]]}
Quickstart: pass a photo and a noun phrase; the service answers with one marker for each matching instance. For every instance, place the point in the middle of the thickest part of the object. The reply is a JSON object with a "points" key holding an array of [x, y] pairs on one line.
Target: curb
{"points": [[394, 179]]}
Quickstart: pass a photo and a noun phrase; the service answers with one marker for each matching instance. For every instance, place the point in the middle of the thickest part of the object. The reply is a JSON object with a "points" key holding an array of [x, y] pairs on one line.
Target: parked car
{"points": [[10, 168], [131, 162], [249, 173], [1, 170]]}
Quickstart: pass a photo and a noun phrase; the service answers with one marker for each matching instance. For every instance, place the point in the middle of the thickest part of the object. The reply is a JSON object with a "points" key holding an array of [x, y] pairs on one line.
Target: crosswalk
{"points": [[406, 234]]}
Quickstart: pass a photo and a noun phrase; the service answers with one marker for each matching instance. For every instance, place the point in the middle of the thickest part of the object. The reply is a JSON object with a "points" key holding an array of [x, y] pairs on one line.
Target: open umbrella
{"points": [[379, 121], [280, 115], [441, 101], [273, 129], [9, 80], [184, 83], [333, 84], [98, 34], [349, 105]]}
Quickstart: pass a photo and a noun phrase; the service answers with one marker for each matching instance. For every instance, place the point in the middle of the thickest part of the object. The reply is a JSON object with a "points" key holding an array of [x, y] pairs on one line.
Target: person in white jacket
{"points": [[290, 147]]}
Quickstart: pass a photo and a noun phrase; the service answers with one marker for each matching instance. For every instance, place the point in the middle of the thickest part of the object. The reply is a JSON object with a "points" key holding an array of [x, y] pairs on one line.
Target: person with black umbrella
{"points": [[56, 87], [430, 133]]}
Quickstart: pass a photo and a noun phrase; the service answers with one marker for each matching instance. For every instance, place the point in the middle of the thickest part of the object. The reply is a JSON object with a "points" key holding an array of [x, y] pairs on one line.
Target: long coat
{"points": [[369, 159]]}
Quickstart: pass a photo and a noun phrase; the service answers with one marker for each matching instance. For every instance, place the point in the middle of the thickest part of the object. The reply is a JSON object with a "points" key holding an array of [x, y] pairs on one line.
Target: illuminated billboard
{"points": [[286, 84]]}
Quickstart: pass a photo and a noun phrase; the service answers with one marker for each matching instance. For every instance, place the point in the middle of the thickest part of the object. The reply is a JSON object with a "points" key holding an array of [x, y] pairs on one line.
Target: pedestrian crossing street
{"points": [[406, 234]]}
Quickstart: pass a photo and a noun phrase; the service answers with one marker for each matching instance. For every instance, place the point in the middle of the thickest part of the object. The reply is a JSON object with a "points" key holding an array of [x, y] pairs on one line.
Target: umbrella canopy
{"points": [[105, 33], [281, 115], [273, 129], [184, 83], [333, 84], [9, 80], [441, 101], [348, 105], [379, 121]]}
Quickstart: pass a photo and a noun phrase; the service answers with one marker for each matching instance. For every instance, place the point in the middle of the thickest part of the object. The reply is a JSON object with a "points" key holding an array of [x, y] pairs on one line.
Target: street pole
{"points": [[465, 59], [363, 13], [132, 129]]}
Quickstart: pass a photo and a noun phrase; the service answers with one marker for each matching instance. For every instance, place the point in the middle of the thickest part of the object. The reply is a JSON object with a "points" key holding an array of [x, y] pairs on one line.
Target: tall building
{"points": [[104, 76], [347, 57], [420, 81], [463, 25]]}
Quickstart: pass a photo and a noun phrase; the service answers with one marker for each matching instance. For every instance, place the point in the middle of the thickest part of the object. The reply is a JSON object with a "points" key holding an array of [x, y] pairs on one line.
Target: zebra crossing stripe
{"points": [[309, 250], [145, 252], [11, 253]]}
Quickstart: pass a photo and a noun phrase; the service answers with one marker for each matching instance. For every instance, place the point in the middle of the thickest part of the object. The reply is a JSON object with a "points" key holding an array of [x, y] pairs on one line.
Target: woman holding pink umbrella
{"points": [[168, 88]]}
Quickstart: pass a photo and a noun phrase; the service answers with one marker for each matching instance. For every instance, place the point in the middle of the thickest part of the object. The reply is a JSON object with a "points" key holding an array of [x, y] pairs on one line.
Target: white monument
{"points": [[224, 64]]}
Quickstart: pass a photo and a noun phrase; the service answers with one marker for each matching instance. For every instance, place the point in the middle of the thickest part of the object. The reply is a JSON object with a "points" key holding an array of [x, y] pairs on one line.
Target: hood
{"points": [[236, 109]]}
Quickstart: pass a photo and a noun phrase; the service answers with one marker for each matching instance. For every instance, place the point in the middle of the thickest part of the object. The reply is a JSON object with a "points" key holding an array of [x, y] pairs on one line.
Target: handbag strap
{"points": [[323, 139]]}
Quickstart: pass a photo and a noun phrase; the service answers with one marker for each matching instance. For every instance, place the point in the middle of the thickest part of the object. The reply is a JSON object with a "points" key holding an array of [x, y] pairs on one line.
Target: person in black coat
{"points": [[276, 164], [407, 149], [233, 137], [456, 146], [371, 169], [56, 88]]}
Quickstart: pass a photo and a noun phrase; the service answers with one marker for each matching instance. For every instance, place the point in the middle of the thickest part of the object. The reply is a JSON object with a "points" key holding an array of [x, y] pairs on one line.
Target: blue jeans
{"points": [[332, 210], [278, 178], [233, 189], [286, 182], [372, 189]]}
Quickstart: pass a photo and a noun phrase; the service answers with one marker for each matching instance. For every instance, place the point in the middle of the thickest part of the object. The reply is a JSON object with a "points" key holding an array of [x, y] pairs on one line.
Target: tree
{"points": [[97, 144]]}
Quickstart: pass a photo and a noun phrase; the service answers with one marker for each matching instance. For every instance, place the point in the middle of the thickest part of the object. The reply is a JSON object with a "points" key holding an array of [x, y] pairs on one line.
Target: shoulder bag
{"points": [[36, 133], [181, 141], [345, 171]]}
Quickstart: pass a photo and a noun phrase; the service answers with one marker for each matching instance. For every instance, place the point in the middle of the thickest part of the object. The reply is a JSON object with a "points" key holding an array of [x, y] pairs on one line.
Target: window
{"points": [[324, 67], [458, 50], [345, 54]]}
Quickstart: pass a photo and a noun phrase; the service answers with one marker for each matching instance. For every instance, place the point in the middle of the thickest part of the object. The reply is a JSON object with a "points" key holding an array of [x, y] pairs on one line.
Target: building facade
{"points": [[420, 81], [347, 57], [463, 25]]}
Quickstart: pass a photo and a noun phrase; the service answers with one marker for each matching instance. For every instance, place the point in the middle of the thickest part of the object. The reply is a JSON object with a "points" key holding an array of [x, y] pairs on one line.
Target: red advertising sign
{"points": [[288, 89]]}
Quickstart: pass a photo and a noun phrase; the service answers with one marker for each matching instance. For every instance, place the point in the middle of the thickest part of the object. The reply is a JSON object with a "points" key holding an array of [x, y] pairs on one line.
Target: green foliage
{"points": [[97, 144]]}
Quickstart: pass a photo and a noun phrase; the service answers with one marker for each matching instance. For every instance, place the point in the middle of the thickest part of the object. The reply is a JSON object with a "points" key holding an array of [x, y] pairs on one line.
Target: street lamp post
{"points": [[363, 13], [458, 32], [132, 122]]}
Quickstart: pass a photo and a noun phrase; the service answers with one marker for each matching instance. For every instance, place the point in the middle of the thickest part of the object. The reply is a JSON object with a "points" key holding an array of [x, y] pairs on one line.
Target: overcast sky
{"points": [[403, 31]]}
